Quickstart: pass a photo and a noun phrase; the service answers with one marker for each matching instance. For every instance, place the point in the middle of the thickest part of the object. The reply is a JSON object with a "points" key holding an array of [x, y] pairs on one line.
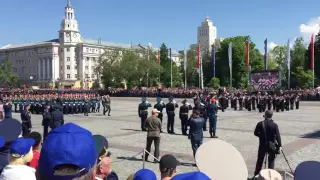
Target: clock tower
{"points": [[69, 37]]}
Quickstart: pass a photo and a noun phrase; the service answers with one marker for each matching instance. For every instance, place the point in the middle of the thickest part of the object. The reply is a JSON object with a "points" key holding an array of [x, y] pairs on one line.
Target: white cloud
{"points": [[312, 26], [271, 45]]}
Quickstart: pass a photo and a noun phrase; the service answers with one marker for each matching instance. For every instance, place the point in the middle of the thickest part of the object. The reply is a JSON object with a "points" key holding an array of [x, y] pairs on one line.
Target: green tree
{"points": [[298, 60], [304, 77], [239, 72], [316, 58], [6, 75], [279, 55], [214, 83], [166, 69]]}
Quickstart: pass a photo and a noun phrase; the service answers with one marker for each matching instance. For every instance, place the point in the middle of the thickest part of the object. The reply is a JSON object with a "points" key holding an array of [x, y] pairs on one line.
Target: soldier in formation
{"points": [[143, 111]]}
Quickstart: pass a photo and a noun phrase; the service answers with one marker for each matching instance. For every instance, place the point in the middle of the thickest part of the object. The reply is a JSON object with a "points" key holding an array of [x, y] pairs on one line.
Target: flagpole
{"points": [[230, 62], [288, 64], [198, 66], [159, 62], [171, 65], [185, 69], [201, 71], [312, 59]]}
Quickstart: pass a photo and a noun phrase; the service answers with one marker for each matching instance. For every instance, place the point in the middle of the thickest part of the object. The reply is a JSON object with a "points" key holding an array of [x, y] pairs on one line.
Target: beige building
{"points": [[69, 60]]}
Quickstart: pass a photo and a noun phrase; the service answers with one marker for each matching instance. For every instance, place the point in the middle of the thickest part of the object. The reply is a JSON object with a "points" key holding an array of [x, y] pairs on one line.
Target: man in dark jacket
{"points": [[196, 130], [8, 109], [46, 118], [267, 131], [26, 121], [57, 119], [10, 129]]}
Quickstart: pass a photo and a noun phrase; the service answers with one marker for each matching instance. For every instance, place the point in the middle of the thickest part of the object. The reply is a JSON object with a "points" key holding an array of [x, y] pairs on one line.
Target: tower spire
{"points": [[69, 3]]}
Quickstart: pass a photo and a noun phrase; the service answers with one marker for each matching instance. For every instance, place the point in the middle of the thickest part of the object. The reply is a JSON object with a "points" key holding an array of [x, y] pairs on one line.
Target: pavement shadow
{"points": [[312, 135], [132, 130], [129, 158]]}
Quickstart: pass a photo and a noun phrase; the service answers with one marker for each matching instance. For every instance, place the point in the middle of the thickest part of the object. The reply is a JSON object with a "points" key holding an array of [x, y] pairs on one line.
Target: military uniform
{"points": [[159, 106], [170, 109], [26, 122], [143, 112], [183, 115], [212, 110]]}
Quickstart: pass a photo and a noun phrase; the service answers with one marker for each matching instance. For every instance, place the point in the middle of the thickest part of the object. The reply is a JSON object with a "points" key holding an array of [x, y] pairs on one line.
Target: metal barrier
{"points": [[287, 174], [144, 161]]}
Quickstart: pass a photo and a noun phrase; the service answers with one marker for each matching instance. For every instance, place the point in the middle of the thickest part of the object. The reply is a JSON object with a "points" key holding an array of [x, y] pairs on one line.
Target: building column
{"points": [[53, 68], [43, 69], [48, 69], [39, 68], [90, 68]]}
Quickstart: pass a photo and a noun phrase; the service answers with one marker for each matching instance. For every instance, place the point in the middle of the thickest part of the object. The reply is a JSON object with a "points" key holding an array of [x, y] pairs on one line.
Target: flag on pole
{"points": [[185, 60], [158, 57], [312, 52], [288, 55], [198, 50], [213, 59], [247, 54], [170, 55], [265, 54], [230, 55]]}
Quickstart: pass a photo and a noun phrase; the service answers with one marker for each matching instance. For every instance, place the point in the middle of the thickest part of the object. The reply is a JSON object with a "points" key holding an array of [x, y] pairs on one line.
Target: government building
{"points": [[69, 60]]}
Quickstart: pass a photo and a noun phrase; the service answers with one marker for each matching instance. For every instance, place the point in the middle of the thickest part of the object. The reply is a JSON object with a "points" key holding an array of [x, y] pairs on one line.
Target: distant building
{"points": [[207, 35], [69, 60]]}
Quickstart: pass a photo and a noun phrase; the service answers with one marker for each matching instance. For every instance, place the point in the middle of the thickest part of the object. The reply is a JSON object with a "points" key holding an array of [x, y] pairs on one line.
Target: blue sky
{"points": [[174, 22]]}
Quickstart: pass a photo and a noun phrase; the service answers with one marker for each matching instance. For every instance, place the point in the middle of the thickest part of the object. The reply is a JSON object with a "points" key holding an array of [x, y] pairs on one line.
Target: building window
{"points": [[87, 59], [68, 49], [68, 76], [92, 75], [92, 67], [87, 49], [86, 68], [68, 59], [87, 75], [76, 76], [68, 67], [75, 67]]}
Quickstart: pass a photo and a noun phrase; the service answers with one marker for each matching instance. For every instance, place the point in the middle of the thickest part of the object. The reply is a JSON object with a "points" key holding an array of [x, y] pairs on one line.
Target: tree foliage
{"points": [[128, 67], [6, 75], [298, 60]]}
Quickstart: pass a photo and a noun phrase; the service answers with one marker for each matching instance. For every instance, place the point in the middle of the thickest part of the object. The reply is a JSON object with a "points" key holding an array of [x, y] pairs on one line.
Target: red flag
{"points": [[247, 54], [158, 57], [198, 56], [312, 52]]}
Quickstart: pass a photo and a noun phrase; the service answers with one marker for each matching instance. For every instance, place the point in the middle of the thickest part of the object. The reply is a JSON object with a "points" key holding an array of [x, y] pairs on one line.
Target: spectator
{"points": [[269, 174], [145, 174], [1, 109], [20, 155], [268, 133], [68, 152], [103, 169], [8, 109], [191, 176], [153, 126], [35, 148], [10, 129], [168, 166]]}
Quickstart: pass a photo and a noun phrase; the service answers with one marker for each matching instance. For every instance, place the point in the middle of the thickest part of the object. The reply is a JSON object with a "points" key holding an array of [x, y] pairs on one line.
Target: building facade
{"points": [[69, 60], [207, 35]]}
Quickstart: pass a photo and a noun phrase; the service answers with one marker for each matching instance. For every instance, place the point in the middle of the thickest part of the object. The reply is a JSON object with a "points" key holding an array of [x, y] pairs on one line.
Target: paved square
{"points": [[122, 129]]}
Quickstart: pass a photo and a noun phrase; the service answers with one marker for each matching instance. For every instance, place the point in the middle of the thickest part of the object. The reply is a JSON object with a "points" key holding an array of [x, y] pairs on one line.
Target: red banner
{"points": [[247, 54]]}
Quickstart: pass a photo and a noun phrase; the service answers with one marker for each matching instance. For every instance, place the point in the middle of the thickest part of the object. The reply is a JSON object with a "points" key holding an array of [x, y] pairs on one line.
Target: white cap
{"points": [[269, 174]]}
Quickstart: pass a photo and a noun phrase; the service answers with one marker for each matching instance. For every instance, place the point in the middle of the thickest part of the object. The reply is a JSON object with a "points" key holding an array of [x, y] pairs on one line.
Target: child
{"points": [[35, 148]]}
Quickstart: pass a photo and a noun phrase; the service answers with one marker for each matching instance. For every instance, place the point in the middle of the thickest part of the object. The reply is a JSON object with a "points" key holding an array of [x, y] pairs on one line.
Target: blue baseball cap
{"points": [[191, 176], [21, 146], [10, 129], [145, 174], [1, 142], [69, 144]]}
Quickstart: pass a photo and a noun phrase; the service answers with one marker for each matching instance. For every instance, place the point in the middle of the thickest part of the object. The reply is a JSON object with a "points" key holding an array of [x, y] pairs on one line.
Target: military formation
{"points": [[71, 103], [259, 101]]}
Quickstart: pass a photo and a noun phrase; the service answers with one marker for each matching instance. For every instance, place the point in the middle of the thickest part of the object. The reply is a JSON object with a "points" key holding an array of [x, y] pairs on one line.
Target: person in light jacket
{"points": [[20, 154]]}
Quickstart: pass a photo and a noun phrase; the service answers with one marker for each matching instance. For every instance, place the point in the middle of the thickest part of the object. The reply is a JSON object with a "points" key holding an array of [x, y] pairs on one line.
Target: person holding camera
{"points": [[269, 142]]}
